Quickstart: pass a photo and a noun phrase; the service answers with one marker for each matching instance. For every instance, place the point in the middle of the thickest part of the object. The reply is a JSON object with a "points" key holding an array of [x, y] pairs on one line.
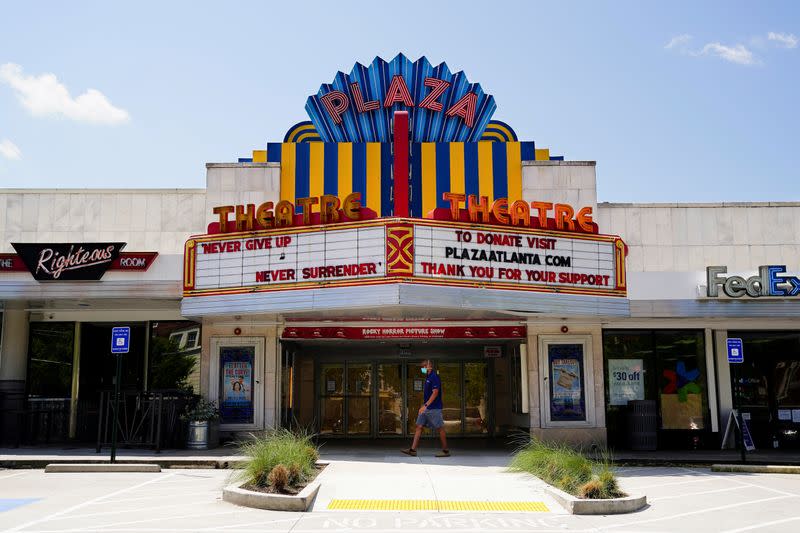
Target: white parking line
{"points": [[694, 494], [88, 502], [158, 497], [690, 513], [633, 485], [105, 527], [763, 524]]}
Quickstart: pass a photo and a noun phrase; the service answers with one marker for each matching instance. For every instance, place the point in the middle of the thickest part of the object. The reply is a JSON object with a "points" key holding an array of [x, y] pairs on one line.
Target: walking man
{"points": [[430, 414]]}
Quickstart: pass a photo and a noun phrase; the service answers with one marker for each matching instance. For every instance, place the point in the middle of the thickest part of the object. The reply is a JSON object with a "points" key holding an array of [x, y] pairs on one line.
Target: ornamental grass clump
{"points": [[279, 460], [567, 469]]}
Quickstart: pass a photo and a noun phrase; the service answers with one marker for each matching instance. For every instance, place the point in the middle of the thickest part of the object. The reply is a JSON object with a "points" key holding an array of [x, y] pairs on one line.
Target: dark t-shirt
{"points": [[433, 382]]}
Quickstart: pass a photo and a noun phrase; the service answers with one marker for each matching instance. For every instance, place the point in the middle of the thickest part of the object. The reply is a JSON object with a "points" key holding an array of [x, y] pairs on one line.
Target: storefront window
{"points": [[766, 386], [174, 359], [666, 366], [680, 358], [50, 351]]}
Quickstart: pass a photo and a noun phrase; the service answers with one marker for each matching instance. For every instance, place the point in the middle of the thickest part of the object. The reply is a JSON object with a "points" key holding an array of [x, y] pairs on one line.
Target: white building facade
{"points": [[625, 345]]}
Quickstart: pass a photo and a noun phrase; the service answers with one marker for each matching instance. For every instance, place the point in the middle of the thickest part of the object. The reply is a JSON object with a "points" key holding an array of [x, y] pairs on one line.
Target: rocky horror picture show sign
{"points": [[403, 250], [68, 261]]}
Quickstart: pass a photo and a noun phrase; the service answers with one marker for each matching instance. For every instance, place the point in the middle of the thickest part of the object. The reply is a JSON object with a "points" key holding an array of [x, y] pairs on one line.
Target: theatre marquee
{"points": [[398, 250]]}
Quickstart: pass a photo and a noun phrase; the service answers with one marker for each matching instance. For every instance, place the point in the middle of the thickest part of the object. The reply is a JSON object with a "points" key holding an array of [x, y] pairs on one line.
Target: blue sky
{"points": [[713, 117]]}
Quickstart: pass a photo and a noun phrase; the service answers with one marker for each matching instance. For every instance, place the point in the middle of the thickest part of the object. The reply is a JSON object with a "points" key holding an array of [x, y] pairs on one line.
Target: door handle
{"points": [[258, 382]]}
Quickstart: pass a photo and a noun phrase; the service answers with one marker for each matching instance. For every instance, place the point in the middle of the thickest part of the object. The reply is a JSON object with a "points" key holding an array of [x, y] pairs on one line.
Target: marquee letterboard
{"points": [[529, 259], [291, 258], [402, 250]]}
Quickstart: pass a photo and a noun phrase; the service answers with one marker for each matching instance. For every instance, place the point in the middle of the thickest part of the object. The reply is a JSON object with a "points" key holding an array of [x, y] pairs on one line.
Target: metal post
{"points": [[116, 409], [739, 419]]}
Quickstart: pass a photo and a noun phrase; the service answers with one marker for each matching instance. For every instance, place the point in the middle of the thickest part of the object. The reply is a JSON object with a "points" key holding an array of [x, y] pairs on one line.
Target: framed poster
{"points": [[236, 384], [625, 381], [567, 381], [567, 393], [236, 369]]}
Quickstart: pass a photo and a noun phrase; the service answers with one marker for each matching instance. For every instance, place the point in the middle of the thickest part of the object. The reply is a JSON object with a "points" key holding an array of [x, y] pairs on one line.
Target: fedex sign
{"points": [[771, 281]]}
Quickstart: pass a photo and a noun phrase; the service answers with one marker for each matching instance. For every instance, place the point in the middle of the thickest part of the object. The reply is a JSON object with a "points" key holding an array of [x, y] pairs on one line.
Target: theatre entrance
{"points": [[350, 390]]}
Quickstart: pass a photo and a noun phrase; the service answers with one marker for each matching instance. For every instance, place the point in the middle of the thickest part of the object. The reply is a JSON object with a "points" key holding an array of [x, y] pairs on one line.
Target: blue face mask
{"points": [[424, 370]]}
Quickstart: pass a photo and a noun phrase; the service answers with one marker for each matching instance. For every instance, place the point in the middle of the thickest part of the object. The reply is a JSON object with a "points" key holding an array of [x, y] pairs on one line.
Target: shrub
{"points": [[278, 477], [293, 451], [567, 469], [201, 411], [295, 474]]}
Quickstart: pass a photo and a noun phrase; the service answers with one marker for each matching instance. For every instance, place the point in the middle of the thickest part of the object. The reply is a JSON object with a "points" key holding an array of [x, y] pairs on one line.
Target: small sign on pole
{"points": [[735, 351], [120, 344], [120, 339]]}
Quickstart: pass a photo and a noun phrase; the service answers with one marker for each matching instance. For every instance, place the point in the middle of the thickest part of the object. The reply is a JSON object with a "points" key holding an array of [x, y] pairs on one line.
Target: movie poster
{"points": [[236, 384], [567, 395]]}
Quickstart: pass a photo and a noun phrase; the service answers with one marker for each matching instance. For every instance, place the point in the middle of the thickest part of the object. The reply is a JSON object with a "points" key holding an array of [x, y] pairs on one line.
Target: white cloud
{"points": [[785, 40], [735, 54], [9, 150], [679, 42], [44, 95]]}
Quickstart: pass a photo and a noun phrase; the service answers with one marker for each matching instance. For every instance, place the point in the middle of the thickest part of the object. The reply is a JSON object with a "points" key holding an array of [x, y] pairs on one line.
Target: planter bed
{"points": [[574, 505], [273, 501]]}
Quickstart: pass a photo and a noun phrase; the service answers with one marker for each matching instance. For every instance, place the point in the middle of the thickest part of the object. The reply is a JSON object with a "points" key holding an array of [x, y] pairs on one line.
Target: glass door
{"points": [[390, 399], [415, 383], [331, 412], [359, 399], [450, 374], [476, 400]]}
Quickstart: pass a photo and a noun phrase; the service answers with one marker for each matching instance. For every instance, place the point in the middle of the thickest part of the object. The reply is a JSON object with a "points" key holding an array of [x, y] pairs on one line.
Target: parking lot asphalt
{"points": [[680, 499]]}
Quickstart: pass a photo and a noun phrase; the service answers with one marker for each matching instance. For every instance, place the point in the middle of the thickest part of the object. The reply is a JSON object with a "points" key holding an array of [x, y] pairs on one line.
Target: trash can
{"points": [[642, 425]]}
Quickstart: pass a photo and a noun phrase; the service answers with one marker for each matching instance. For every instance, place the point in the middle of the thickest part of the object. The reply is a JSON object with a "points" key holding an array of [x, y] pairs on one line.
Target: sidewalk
{"points": [[227, 456], [466, 479]]}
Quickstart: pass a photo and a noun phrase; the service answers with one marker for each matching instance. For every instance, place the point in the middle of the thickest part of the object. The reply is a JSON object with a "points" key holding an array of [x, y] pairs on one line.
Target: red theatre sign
{"points": [[406, 332]]}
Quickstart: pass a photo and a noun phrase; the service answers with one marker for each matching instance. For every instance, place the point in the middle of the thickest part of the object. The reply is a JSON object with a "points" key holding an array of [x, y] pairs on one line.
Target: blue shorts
{"points": [[431, 418]]}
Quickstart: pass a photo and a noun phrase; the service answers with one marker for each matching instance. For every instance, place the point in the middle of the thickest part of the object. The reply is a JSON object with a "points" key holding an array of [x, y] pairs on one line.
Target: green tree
{"points": [[169, 366]]}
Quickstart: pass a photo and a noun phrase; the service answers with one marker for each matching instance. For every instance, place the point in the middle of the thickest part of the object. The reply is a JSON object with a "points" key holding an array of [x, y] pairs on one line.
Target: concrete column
{"points": [[76, 379], [534, 405], [271, 369], [14, 347], [724, 390], [13, 368], [711, 380]]}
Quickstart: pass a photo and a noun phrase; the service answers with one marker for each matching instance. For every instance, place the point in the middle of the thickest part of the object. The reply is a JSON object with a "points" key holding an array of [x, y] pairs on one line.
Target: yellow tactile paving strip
{"points": [[433, 505]]}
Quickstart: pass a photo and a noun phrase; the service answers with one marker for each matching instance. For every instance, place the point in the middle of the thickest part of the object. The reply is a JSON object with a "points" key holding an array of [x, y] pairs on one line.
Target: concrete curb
{"points": [[573, 505], [24, 463], [99, 467], [272, 502], [757, 469]]}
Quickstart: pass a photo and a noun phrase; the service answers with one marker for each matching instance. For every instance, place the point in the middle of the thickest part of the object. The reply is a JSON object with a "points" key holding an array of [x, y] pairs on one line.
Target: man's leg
{"points": [[443, 438], [417, 435]]}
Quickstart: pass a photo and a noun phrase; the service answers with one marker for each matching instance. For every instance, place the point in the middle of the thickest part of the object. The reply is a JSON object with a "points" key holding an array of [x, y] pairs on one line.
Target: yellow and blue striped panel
{"points": [[483, 168], [316, 168]]}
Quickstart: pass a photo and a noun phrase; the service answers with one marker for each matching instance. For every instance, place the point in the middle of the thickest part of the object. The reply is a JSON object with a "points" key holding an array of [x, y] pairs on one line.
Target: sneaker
{"points": [[410, 451], [443, 453]]}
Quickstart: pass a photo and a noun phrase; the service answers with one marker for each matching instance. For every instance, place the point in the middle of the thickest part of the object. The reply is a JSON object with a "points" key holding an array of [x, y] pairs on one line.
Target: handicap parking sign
{"points": [[120, 339], [735, 351]]}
